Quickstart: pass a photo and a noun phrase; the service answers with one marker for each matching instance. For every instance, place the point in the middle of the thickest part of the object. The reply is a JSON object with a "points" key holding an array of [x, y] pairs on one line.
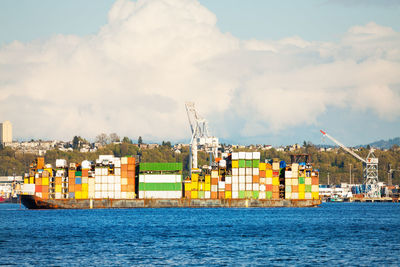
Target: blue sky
{"points": [[320, 21]]}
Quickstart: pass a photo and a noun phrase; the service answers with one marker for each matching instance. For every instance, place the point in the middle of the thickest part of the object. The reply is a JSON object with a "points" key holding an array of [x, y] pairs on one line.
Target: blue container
{"points": [[302, 163], [78, 180], [282, 164]]}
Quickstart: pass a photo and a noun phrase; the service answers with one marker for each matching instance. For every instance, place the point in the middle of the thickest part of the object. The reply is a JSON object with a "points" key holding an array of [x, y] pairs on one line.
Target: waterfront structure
{"points": [[5, 132]]}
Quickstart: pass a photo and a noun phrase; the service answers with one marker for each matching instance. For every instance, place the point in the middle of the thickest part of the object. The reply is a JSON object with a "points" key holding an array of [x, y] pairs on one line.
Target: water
{"points": [[334, 234]]}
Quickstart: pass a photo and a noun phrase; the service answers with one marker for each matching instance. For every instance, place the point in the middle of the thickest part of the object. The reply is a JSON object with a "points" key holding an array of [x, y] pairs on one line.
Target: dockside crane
{"points": [[370, 168], [201, 137]]}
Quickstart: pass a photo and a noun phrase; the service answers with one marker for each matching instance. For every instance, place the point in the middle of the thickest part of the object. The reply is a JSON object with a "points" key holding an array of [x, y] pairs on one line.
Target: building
{"points": [[5, 132]]}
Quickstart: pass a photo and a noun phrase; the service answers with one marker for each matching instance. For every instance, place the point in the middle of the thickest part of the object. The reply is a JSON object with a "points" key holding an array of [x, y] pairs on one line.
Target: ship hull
{"points": [[34, 202]]}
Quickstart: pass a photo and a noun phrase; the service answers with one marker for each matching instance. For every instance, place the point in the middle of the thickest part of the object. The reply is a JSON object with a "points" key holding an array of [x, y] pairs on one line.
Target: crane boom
{"points": [[343, 146]]}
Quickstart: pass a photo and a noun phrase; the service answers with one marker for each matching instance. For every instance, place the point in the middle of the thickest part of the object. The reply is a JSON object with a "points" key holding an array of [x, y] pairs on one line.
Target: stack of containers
{"points": [[71, 183], [263, 180], [214, 184], [160, 180], [187, 184], [207, 186], [117, 178], [195, 185], [295, 181], [228, 186], [128, 177], [275, 179], [268, 181], [38, 183], [249, 174], [235, 175], [221, 186], [242, 175], [256, 174], [78, 185], [288, 183], [315, 184]]}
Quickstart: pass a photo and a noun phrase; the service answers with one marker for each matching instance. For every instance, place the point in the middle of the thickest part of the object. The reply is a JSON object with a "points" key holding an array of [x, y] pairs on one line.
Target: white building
{"points": [[5, 132]]}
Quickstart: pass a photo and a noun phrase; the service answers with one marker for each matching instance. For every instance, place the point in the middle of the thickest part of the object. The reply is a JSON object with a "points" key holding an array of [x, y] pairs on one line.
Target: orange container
{"points": [[71, 174], [124, 188], [40, 163], [124, 174], [131, 181], [268, 166], [78, 187], [188, 194], [275, 195], [131, 161], [256, 179], [214, 181], [71, 187], [124, 167], [268, 187], [131, 188], [71, 181], [314, 181], [295, 188], [45, 188], [214, 195], [221, 194], [38, 188], [58, 180], [131, 174], [85, 173], [38, 181], [131, 167], [228, 187], [275, 188], [45, 195], [262, 174]]}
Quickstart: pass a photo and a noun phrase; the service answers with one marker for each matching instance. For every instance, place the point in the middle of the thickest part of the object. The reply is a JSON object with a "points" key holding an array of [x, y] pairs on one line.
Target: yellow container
{"points": [[235, 164], [85, 188], [195, 194], [275, 180], [228, 194], [302, 188], [45, 181], [302, 195], [85, 195], [31, 180], [195, 177], [208, 179], [315, 195], [50, 171], [195, 185], [268, 173], [26, 180], [262, 166], [78, 195], [188, 186], [207, 187], [58, 188]]}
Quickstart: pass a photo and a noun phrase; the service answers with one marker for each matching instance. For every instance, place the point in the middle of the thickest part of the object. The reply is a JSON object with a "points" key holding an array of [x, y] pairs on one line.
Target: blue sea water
{"points": [[333, 234]]}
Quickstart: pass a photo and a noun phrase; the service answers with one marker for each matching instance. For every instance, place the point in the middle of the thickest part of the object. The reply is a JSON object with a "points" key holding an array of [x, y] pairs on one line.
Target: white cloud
{"points": [[135, 74]]}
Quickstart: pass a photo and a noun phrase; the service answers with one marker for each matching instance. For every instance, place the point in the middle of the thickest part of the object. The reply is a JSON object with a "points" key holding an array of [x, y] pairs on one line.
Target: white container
{"points": [[249, 171], [235, 179], [228, 179], [288, 195], [158, 178], [242, 179], [124, 181], [268, 180], [141, 178], [207, 194], [117, 179], [295, 181], [104, 179], [111, 194], [249, 155], [308, 181], [221, 185], [214, 188], [308, 195], [242, 187], [263, 180], [117, 187], [104, 194], [104, 187], [97, 194], [315, 188], [98, 171], [124, 160], [104, 171], [61, 163], [39, 194], [28, 189], [58, 195], [235, 156], [117, 195], [214, 174], [249, 187], [256, 171], [249, 179], [242, 155], [117, 171], [242, 171], [110, 187], [222, 163], [262, 195], [256, 155], [288, 181], [117, 162], [295, 195], [235, 187], [123, 195], [98, 179], [85, 180], [256, 187], [288, 174], [110, 179], [275, 166], [91, 194], [235, 172], [97, 187], [262, 187], [235, 194], [295, 167]]}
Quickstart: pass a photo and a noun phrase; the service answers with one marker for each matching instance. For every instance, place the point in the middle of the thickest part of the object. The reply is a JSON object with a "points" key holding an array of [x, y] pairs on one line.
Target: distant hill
{"points": [[385, 144]]}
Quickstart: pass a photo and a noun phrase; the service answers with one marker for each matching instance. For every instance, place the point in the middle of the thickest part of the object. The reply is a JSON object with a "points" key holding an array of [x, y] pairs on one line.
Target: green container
{"points": [[160, 166], [302, 180], [249, 163], [268, 194], [248, 194], [256, 194], [242, 194], [78, 174], [201, 194], [308, 188], [242, 163], [160, 186], [256, 163]]}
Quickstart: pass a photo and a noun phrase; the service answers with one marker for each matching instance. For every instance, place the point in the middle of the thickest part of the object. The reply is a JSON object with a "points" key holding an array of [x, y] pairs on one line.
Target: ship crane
{"points": [[370, 168], [201, 137]]}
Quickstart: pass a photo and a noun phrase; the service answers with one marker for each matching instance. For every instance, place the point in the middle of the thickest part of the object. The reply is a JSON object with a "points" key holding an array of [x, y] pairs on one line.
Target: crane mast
{"points": [[200, 136], [370, 168]]}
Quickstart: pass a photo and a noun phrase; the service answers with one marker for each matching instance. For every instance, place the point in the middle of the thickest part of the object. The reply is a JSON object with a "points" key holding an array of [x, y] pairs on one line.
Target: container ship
{"points": [[237, 180]]}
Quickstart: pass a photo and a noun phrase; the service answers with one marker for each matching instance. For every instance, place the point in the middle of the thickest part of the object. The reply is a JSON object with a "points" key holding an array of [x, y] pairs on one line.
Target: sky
{"points": [[265, 72]]}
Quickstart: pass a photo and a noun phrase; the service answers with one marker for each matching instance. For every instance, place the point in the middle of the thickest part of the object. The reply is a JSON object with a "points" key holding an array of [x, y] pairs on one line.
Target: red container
{"points": [[268, 187], [38, 188], [262, 174], [275, 174]]}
